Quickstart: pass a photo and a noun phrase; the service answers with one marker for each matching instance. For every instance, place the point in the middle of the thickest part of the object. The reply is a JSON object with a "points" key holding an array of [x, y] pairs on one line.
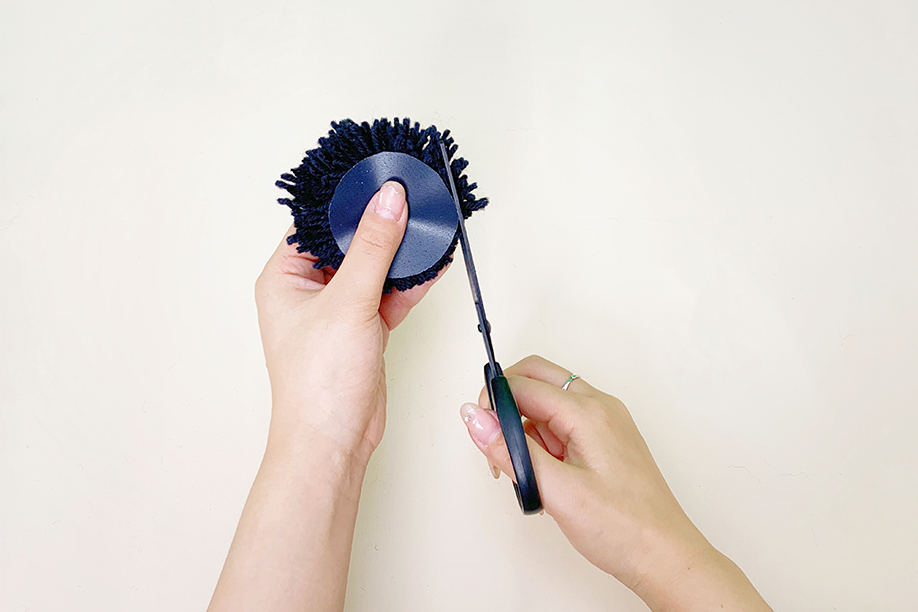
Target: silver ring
{"points": [[569, 381]]}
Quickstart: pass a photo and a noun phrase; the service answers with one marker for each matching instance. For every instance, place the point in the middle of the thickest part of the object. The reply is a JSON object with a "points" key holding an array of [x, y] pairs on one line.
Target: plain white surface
{"points": [[709, 209]]}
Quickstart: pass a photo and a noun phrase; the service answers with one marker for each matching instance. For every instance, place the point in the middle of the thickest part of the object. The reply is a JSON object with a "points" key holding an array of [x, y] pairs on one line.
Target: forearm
{"points": [[293, 543], [695, 576]]}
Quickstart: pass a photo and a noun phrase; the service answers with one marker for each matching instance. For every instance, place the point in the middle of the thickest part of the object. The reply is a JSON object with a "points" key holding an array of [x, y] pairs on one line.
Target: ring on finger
{"points": [[569, 381]]}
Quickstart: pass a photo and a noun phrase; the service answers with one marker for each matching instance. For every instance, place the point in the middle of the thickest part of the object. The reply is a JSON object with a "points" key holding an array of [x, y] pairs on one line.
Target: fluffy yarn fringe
{"points": [[312, 184]]}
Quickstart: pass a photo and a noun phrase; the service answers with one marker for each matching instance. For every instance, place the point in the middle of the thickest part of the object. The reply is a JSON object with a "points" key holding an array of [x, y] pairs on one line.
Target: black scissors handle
{"points": [[511, 425]]}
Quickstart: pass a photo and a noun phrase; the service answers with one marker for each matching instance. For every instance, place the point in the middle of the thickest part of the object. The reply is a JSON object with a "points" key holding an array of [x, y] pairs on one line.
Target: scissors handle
{"points": [[511, 424]]}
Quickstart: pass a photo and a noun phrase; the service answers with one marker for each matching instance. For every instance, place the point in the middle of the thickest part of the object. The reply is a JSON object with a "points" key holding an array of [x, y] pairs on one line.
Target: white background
{"points": [[708, 209]]}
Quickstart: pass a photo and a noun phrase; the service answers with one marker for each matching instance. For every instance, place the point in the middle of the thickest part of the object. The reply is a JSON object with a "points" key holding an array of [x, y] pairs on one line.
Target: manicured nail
{"points": [[391, 201], [482, 424]]}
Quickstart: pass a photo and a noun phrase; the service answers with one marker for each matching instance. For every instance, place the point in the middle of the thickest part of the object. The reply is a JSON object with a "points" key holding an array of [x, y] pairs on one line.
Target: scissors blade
{"points": [[483, 326]]}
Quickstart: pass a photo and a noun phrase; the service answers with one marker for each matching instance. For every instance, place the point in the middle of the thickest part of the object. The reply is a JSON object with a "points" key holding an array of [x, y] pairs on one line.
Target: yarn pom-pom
{"points": [[312, 184]]}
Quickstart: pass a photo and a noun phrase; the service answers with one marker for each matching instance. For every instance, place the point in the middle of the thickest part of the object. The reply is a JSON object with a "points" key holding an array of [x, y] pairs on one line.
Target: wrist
{"points": [[675, 557], [299, 423], [301, 451], [689, 574]]}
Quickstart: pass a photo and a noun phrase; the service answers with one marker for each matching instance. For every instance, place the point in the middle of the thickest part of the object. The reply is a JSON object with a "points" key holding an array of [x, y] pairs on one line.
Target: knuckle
{"points": [[522, 365], [594, 410], [373, 239], [613, 402], [531, 359]]}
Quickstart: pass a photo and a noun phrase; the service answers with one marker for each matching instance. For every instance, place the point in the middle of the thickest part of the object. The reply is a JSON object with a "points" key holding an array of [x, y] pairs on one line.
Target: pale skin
{"points": [[324, 335]]}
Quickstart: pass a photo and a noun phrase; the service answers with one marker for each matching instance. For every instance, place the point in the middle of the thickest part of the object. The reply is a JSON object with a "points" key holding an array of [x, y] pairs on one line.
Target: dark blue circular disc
{"points": [[432, 215]]}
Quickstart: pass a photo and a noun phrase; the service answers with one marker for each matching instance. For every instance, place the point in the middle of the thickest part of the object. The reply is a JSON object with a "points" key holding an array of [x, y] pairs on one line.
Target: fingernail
{"points": [[482, 424], [391, 201], [495, 471]]}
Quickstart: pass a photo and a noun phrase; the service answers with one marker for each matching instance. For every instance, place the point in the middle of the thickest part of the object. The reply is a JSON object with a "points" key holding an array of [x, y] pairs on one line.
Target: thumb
{"points": [[361, 276]]}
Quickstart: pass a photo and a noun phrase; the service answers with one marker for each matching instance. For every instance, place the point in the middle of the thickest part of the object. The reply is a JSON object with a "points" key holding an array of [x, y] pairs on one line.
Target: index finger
{"points": [[287, 261], [539, 368], [544, 403]]}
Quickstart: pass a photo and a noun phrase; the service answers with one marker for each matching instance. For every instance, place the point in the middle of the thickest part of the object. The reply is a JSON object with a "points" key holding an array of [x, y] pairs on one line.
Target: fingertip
{"points": [[495, 471]]}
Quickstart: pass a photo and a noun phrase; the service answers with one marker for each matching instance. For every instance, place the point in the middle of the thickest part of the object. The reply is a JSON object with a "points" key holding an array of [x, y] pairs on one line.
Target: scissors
{"points": [[499, 393]]}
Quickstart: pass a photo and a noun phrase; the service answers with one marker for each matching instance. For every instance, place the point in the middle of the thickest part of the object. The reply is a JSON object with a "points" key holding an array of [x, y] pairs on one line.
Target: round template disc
{"points": [[432, 215]]}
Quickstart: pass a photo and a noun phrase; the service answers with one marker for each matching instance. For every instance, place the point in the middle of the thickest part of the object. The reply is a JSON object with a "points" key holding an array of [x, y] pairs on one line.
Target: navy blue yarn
{"points": [[312, 184]]}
